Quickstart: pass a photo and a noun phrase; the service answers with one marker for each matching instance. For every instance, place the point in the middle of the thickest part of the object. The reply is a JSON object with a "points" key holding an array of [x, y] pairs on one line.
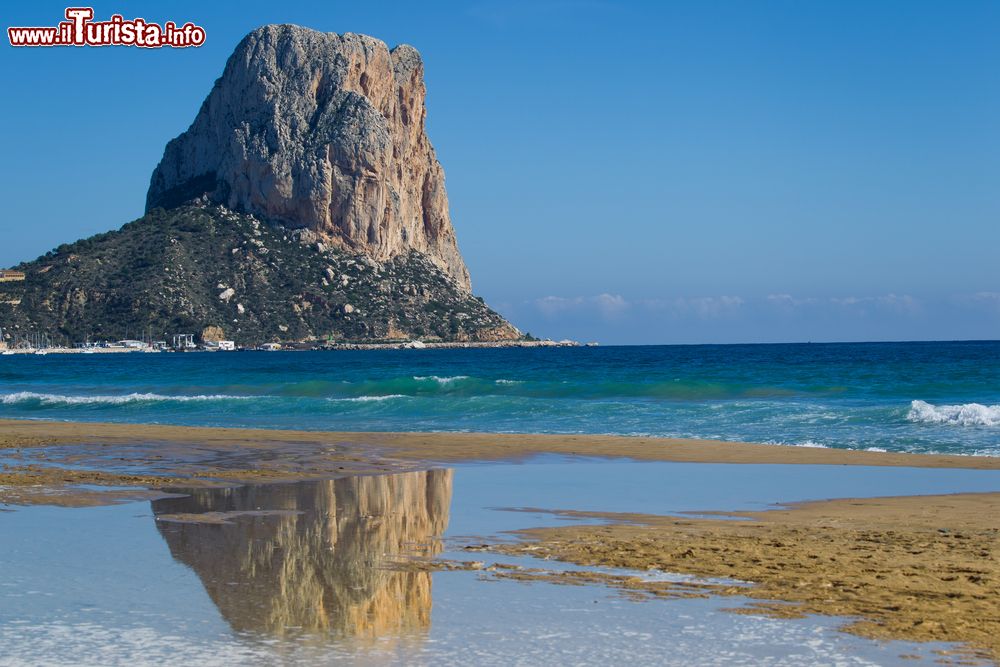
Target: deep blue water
{"points": [[940, 397]]}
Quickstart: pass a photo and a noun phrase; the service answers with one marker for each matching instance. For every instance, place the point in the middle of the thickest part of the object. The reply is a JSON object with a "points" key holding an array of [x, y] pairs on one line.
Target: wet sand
{"points": [[916, 568], [454, 447], [919, 568]]}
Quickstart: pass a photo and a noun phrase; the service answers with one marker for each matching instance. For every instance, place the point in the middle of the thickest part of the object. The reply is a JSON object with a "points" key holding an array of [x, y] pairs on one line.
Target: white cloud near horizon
{"points": [[607, 305], [610, 305], [899, 302], [611, 317], [703, 307], [988, 300]]}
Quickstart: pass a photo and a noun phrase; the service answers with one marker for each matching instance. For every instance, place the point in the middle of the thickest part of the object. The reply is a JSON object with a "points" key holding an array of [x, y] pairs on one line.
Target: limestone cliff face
{"points": [[320, 131]]}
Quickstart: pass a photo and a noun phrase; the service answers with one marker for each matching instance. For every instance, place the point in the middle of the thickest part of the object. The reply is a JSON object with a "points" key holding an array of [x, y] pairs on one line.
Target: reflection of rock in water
{"points": [[318, 570]]}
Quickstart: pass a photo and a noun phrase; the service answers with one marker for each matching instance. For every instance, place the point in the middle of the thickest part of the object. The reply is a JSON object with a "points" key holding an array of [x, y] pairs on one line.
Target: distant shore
{"points": [[302, 347], [448, 345]]}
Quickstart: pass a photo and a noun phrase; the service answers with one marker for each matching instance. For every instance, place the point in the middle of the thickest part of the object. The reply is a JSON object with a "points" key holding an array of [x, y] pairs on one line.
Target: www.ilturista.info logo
{"points": [[79, 29]]}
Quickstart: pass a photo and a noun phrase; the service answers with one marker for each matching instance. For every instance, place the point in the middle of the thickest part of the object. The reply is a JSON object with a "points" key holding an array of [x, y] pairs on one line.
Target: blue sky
{"points": [[628, 172]]}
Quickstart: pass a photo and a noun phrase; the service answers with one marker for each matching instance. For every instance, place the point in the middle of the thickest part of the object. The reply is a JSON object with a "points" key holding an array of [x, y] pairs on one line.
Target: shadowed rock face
{"points": [[203, 268], [287, 559], [320, 131]]}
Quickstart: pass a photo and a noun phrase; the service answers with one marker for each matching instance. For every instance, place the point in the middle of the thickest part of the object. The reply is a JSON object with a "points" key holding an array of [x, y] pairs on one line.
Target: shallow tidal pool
{"points": [[302, 572]]}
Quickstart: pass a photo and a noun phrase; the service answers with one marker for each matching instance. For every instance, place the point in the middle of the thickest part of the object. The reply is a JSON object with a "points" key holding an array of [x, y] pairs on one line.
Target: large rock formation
{"points": [[322, 131], [202, 268], [303, 205]]}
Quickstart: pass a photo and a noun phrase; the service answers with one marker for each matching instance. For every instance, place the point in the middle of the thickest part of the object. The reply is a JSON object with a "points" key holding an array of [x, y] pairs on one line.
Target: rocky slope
{"points": [[203, 269], [305, 203]]}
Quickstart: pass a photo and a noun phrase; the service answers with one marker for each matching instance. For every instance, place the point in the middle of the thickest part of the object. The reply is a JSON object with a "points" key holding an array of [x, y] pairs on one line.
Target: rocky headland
{"points": [[305, 203]]}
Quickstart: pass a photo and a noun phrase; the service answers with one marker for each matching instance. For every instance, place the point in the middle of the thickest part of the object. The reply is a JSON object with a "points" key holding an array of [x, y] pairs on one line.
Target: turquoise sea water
{"points": [[920, 397]]}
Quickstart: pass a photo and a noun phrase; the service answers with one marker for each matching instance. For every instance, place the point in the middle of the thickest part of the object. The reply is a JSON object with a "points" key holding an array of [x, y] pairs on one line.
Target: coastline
{"points": [[298, 346], [907, 567], [917, 568], [453, 447]]}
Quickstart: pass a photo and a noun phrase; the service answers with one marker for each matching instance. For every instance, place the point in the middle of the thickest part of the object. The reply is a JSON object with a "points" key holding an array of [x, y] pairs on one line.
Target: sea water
{"points": [[909, 397]]}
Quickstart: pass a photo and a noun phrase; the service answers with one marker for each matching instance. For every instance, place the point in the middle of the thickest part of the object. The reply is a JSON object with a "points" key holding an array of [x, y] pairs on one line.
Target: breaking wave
{"points": [[967, 414], [811, 444], [366, 399], [441, 380], [60, 399]]}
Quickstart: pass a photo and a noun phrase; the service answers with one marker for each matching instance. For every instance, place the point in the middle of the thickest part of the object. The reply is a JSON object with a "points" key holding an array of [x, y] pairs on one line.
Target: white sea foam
{"points": [[365, 399], [60, 399], [811, 444], [441, 380], [967, 414], [502, 381]]}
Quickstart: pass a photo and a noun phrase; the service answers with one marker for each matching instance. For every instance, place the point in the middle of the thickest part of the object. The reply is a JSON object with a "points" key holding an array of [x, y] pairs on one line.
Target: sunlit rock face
{"points": [[304, 204], [310, 558], [320, 131]]}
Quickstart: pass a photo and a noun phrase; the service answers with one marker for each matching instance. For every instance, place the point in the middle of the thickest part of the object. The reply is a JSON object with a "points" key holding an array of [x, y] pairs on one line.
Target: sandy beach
{"points": [[46, 461], [453, 447], [919, 568]]}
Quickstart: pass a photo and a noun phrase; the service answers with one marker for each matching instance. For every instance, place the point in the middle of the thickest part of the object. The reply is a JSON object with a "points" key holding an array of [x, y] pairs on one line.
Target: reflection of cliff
{"points": [[318, 567]]}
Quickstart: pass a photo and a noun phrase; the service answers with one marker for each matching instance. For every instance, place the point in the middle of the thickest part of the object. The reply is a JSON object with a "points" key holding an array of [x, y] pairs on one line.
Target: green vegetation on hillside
{"points": [[192, 267]]}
